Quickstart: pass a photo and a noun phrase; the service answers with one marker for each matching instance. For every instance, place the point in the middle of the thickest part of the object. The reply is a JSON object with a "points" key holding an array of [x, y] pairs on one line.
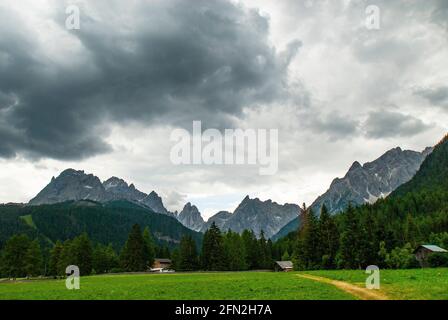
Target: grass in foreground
{"points": [[181, 286], [411, 284]]}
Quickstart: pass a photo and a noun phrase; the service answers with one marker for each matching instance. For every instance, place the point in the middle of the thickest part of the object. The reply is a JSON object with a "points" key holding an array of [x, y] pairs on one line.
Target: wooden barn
{"points": [[424, 251], [283, 266]]}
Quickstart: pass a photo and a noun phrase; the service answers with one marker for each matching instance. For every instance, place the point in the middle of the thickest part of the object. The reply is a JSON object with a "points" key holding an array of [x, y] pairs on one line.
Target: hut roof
{"points": [[284, 264], [431, 247]]}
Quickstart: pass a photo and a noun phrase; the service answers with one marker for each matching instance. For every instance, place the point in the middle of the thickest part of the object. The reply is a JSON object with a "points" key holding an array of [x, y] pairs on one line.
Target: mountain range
{"points": [[74, 185], [361, 184], [366, 183]]}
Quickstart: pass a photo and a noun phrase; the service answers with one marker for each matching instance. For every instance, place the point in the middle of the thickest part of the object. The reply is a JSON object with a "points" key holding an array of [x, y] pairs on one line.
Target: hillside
{"points": [[414, 214], [366, 183], [433, 173], [104, 223]]}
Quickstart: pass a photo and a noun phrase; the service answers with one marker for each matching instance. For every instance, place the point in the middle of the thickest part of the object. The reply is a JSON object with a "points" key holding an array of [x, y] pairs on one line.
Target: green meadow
{"points": [[408, 284], [396, 284]]}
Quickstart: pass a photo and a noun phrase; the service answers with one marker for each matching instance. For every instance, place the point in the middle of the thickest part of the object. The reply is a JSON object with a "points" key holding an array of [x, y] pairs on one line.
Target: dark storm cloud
{"points": [[386, 124], [167, 62], [436, 96]]}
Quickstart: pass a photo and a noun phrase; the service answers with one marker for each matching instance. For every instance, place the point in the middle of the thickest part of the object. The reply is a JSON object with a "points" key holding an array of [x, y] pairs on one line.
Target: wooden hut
{"points": [[283, 266], [424, 251]]}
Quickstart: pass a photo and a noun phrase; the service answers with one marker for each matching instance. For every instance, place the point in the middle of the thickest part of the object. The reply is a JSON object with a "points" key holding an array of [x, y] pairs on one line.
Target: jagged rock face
{"points": [[118, 189], [374, 180], [219, 219], [191, 217], [259, 215], [71, 185], [153, 201], [76, 185]]}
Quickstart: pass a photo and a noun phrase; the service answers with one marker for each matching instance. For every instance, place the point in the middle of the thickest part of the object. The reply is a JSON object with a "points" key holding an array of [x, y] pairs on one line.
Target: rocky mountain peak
{"points": [[74, 184], [256, 215], [371, 181], [115, 182], [191, 217], [355, 166], [71, 185]]}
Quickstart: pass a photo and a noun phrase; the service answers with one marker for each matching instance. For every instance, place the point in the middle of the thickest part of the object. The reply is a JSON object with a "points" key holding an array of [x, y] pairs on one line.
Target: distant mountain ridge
{"points": [[366, 183], [255, 215], [75, 185], [371, 181]]}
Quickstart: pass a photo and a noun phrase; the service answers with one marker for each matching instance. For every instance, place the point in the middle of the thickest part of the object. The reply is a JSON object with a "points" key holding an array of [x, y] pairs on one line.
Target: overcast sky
{"points": [[105, 98]]}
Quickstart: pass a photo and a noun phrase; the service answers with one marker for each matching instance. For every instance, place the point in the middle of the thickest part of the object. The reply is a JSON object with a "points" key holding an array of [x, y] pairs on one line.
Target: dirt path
{"points": [[361, 293]]}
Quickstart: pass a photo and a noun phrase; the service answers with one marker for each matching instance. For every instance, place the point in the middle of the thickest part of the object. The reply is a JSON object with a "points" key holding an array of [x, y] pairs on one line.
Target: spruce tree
{"points": [[187, 259], [66, 257], [33, 259], [235, 251], [149, 247], [55, 255], [349, 245], [132, 258], [213, 257], [329, 238], [83, 252], [14, 256], [251, 249]]}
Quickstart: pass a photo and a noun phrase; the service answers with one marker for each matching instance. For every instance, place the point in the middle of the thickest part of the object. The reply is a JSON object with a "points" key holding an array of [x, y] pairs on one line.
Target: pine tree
{"points": [[66, 257], [251, 249], [349, 241], [133, 255], [83, 253], [213, 257], [33, 259], [104, 259], [235, 251], [307, 251], [329, 238], [187, 259], [285, 256], [55, 255], [14, 256], [149, 247]]}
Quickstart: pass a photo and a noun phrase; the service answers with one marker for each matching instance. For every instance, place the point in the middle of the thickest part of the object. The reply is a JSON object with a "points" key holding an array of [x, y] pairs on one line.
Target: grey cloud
{"points": [[334, 125], [167, 62], [387, 124], [436, 96]]}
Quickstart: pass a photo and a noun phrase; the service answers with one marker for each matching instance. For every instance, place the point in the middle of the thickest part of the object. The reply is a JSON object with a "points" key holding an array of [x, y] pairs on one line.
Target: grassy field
{"points": [[396, 284], [237, 285], [413, 284]]}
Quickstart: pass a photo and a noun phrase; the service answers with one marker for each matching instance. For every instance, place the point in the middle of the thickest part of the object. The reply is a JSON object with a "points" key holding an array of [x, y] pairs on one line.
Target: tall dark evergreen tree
{"points": [[235, 251], [329, 238], [349, 257], [213, 257], [104, 258], [33, 259], [187, 259], [83, 253], [149, 247], [55, 255], [133, 255], [14, 256], [251, 248]]}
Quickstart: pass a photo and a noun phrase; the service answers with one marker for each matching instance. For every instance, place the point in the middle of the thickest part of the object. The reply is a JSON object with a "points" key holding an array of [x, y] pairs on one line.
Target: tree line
{"points": [[23, 257], [224, 251], [384, 234]]}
